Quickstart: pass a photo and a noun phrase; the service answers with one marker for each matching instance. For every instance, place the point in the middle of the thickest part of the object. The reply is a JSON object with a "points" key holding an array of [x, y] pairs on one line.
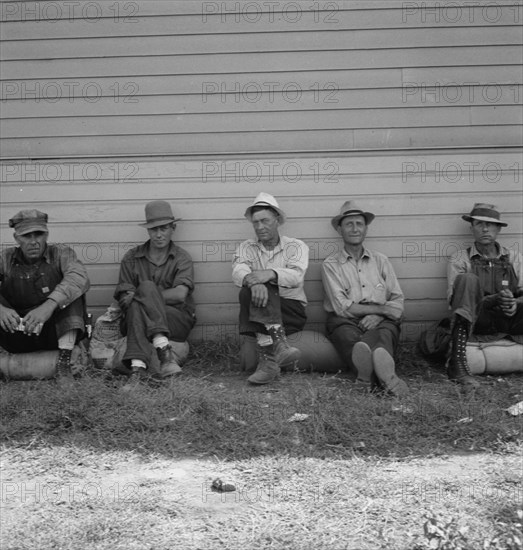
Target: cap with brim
{"points": [[350, 208], [29, 221], [268, 201], [158, 213], [484, 213]]}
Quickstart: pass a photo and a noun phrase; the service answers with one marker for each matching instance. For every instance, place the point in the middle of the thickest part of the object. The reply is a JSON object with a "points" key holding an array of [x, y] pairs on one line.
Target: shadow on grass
{"points": [[211, 411]]}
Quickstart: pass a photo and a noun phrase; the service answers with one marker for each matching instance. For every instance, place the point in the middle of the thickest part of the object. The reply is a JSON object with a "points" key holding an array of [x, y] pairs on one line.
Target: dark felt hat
{"points": [[158, 213]]}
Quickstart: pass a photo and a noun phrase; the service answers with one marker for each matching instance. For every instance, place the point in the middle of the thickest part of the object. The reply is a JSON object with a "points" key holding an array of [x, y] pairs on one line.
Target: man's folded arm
{"points": [[75, 281]]}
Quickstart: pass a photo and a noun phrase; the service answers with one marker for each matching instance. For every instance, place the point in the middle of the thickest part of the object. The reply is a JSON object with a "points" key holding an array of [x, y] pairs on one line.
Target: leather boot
{"points": [[267, 369], [284, 355], [133, 382], [63, 375], [168, 364], [457, 367]]}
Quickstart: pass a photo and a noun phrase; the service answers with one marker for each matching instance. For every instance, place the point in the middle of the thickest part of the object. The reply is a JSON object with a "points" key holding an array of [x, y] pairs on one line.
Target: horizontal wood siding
{"points": [[195, 77], [411, 108]]}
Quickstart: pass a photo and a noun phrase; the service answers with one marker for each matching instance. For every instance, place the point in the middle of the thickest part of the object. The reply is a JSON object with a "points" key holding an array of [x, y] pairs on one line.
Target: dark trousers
{"points": [[468, 302], [279, 311], [148, 315], [62, 320], [345, 333]]}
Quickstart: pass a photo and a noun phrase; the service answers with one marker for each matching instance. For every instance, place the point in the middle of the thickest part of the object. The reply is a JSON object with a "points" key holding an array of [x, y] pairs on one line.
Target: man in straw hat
{"points": [[42, 288], [155, 292], [364, 303], [270, 271], [485, 291]]}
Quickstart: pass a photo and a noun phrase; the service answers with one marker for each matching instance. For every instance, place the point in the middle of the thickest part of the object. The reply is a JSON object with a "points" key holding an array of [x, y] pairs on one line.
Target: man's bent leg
{"points": [[508, 325], [383, 341], [180, 321], [466, 305], [70, 326], [266, 320], [386, 335], [347, 336], [293, 315], [145, 318], [253, 319], [466, 297], [344, 334]]}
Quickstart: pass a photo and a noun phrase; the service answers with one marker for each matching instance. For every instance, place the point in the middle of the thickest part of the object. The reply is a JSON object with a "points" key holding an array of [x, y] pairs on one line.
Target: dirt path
{"points": [[66, 498]]}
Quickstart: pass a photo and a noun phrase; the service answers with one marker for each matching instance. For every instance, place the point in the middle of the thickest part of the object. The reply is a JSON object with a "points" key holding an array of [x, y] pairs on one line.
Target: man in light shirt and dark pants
{"points": [[364, 303], [270, 271]]}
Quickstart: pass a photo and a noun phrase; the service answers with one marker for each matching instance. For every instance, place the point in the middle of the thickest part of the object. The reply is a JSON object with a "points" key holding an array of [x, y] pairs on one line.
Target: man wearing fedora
{"points": [[155, 293], [364, 303], [270, 270], [42, 292], [485, 291]]}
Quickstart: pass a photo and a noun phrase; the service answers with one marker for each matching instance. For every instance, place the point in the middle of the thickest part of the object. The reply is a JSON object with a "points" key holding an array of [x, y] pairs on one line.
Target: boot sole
{"points": [[252, 380], [384, 367], [171, 372], [362, 359]]}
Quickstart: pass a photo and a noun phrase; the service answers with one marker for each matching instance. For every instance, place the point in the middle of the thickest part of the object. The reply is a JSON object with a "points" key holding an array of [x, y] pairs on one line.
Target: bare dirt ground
{"points": [[64, 499]]}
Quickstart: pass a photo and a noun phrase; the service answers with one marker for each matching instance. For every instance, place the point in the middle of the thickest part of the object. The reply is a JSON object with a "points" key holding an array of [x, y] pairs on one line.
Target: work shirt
{"points": [[369, 280], [289, 260], [491, 271], [59, 276], [137, 267]]}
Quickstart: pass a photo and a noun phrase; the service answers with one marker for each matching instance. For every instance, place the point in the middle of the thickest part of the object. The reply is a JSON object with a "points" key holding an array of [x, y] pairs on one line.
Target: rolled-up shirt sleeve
{"points": [[127, 279], [296, 254], [184, 271], [395, 297], [242, 263], [75, 281], [337, 294]]}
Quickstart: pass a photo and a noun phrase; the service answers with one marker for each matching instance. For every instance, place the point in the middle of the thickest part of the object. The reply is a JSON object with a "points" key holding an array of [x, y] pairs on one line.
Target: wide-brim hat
{"points": [[484, 213], [350, 208], [264, 199], [28, 221], [158, 213]]}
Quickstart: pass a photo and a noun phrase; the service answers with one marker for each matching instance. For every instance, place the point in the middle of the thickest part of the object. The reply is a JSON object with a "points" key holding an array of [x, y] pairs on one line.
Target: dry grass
{"points": [[362, 471]]}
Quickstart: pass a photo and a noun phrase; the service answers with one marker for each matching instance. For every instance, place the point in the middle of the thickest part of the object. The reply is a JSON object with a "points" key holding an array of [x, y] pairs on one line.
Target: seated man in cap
{"points": [[155, 293], [364, 303], [270, 271], [42, 288], [485, 291]]}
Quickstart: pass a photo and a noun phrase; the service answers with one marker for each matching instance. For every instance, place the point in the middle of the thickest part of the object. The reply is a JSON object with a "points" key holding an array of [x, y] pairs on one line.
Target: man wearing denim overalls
{"points": [[485, 290], [42, 289]]}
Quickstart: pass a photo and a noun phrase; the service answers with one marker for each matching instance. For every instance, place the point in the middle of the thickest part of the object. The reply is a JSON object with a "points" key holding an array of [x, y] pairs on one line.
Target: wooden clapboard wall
{"points": [[413, 109]]}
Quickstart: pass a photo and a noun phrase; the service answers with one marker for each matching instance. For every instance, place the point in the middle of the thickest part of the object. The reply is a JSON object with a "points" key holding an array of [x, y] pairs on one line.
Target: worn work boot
{"points": [[168, 364], [284, 355], [362, 360], [457, 367], [384, 367], [267, 369], [63, 374], [134, 380]]}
